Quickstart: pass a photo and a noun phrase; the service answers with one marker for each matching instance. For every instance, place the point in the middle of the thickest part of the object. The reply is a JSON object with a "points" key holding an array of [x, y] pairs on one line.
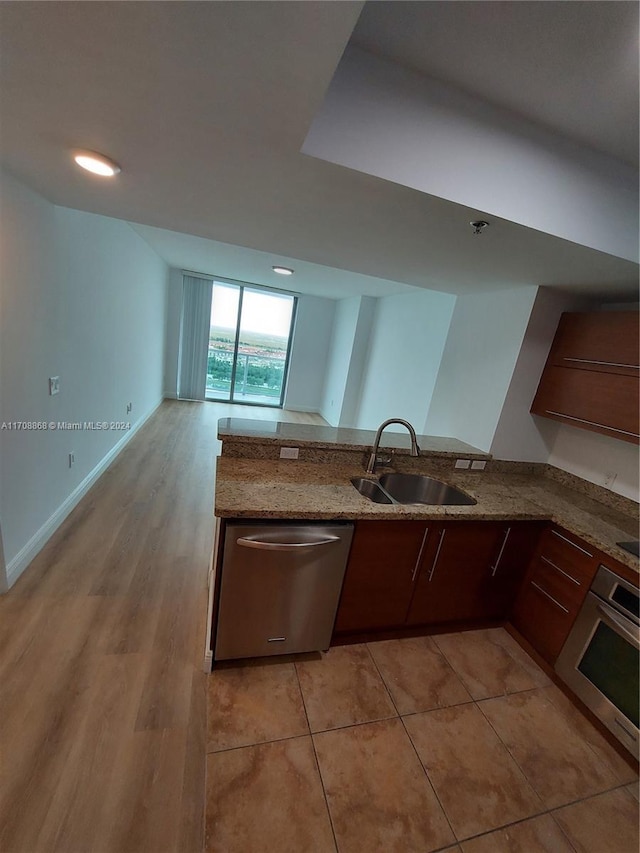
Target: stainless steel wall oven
{"points": [[600, 660]]}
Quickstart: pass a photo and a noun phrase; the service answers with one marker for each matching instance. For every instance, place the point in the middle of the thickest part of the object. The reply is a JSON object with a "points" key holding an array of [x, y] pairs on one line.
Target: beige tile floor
{"points": [[455, 742]]}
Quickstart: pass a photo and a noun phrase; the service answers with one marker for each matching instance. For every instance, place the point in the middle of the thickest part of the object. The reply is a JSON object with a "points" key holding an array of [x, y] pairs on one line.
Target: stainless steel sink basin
{"points": [[411, 489], [370, 489], [419, 489]]}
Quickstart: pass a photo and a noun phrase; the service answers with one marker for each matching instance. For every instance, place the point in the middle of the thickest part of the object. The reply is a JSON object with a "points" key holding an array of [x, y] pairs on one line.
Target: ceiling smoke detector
{"points": [[479, 226]]}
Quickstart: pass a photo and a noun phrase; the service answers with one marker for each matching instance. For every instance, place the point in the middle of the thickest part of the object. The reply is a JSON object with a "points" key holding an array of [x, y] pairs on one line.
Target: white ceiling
{"points": [[206, 106], [571, 66], [197, 254]]}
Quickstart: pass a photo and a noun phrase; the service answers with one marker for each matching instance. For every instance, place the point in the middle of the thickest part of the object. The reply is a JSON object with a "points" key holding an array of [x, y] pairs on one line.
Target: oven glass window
{"points": [[628, 600], [611, 664]]}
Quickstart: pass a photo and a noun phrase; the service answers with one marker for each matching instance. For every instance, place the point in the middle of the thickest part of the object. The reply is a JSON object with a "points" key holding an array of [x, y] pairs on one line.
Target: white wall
{"points": [[598, 458], [309, 353], [519, 435], [479, 358], [341, 343], [83, 298], [3, 569], [358, 364], [406, 346], [388, 121]]}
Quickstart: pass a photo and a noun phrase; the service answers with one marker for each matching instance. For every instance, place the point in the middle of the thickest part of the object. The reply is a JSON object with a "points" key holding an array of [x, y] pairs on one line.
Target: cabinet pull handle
{"points": [[591, 423], [606, 363], [435, 559], [417, 565], [550, 597], [558, 569], [249, 542], [564, 539], [497, 562]]}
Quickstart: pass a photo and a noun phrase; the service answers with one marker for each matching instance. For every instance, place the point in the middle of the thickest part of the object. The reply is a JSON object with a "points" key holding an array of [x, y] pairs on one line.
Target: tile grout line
{"points": [[515, 823], [435, 637], [450, 665], [547, 809], [509, 752], [474, 702], [587, 742], [315, 755], [424, 769], [562, 830], [430, 783], [381, 676]]}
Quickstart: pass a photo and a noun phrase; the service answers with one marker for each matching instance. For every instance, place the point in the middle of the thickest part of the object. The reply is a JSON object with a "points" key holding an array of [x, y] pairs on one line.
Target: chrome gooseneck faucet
{"points": [[373, 458]]}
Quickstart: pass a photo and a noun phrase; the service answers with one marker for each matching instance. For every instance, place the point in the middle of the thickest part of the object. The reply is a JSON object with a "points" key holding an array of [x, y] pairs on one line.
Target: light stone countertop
{"points": [[258, 488], [339, 438]]}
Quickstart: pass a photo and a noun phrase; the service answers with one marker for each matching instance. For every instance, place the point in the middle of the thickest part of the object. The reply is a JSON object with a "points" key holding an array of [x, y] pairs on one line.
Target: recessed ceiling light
{"points": [[96, 163], [283, 270]]}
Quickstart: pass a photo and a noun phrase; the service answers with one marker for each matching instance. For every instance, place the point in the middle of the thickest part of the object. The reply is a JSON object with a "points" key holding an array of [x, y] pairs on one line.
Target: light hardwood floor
{"points": [[102, 697]]}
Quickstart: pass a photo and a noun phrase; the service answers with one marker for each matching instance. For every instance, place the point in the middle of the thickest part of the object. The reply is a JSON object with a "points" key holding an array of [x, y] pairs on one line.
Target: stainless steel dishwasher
{"points": [[280, 585]]}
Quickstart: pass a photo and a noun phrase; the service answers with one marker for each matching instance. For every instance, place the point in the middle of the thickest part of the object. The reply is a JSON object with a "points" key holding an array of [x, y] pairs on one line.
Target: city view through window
{"points": [[253, 369]]}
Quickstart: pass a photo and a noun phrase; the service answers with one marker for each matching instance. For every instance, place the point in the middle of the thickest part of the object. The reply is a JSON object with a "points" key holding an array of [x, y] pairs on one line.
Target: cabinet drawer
{"points": [[568, 556], [558, 585]]}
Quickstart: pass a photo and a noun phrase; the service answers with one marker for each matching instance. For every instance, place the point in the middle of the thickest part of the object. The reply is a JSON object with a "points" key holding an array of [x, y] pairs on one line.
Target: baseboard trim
{"points": [[40, 538]]}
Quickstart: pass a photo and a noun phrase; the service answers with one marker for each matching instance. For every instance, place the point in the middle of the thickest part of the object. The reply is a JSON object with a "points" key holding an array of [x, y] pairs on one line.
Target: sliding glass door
{"points": [[249, 343]]}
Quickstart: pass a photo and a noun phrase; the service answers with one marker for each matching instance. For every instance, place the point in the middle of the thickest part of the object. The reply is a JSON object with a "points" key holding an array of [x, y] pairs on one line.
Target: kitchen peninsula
{"points": [[526, 552], [253, 481]]}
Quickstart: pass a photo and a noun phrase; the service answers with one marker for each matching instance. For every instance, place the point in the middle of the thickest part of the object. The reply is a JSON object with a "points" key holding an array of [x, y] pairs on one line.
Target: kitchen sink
{"points": [[411, 489], [370, 489]]}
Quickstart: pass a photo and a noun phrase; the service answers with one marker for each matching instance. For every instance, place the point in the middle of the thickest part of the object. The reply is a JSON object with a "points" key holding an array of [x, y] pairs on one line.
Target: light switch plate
{"points": [[54, 385], [478, 465], [462, 463], [289, 452]]}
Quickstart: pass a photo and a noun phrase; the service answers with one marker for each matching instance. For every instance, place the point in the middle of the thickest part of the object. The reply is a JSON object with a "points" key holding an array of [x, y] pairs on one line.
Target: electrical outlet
{"points": [[462, 463], [129, 407], [54, 385], [478, 465], [72, 459], [289, 452]]}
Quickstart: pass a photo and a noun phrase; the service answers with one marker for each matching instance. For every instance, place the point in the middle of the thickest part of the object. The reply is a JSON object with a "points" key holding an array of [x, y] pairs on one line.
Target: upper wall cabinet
{"points": [[591, 377]]}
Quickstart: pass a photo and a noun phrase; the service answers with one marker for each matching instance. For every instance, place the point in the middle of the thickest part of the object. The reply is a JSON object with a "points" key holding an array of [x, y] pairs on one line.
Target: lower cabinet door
{"points": [[452, 584], [506, 572], [380, 575]]}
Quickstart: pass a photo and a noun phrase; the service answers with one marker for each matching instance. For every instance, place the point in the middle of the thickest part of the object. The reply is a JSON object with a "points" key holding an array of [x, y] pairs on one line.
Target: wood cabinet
{"points": [[556, 584], [591, 378], [451, 583], [379, 580], [402, 573], [502, 584]]}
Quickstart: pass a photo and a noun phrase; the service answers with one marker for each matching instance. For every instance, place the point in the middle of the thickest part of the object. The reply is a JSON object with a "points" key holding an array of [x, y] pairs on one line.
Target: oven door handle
{"points": [[619, 625]]}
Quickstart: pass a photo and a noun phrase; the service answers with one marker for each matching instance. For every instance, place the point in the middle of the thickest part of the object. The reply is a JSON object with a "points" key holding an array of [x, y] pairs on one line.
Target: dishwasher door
{"points": [[280, 585]]}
